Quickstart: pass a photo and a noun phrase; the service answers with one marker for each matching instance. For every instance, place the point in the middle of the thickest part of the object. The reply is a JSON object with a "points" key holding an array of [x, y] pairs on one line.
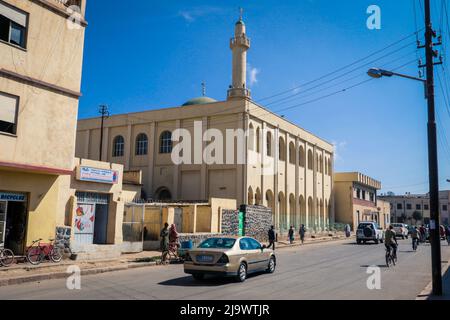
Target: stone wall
{"points": [[258, 220], [230, 222]]}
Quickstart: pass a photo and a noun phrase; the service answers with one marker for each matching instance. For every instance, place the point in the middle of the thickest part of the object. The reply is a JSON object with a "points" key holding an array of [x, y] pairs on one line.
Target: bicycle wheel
{"points": [[34, 256], [55, 254], [6, 257], [388, 260]]}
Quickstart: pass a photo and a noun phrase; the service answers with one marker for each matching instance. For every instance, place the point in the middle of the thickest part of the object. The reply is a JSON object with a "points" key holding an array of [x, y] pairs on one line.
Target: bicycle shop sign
{"points": [[16, 197], [98, 175]]}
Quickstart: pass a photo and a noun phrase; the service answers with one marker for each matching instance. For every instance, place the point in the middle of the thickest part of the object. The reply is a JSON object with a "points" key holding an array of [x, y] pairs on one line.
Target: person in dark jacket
{"points": [[272, 238], [164, 242], [291, 234], [302, 233]]}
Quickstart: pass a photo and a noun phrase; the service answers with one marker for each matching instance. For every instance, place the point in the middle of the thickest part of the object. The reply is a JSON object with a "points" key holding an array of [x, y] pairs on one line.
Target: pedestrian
{"points": [[174, 235], [272, 237], [415, 235], [347, 230], [422, 233], [164, 242], [291, 234], [302, 232]]}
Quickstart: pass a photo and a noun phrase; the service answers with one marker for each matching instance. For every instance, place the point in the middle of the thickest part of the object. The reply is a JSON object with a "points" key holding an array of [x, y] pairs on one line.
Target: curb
{"points": [[425, 294], [283, 246], [61, 275]]}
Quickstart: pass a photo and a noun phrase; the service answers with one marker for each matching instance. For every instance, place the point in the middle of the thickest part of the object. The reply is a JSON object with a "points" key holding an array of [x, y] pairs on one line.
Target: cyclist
{"points": [[415, 235], [390, 240]]}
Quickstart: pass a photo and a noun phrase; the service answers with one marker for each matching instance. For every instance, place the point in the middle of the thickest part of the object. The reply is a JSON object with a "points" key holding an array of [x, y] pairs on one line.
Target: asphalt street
{"points": [[333, 270]]}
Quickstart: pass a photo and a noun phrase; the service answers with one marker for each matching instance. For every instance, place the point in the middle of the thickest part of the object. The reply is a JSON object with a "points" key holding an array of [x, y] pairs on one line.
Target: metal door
{"points": [[178, 219], [84, 224], [2, 222]]}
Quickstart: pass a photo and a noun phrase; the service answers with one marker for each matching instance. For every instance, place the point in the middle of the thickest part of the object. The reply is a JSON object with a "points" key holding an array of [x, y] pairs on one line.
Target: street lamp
{"points": [[432, 166]]}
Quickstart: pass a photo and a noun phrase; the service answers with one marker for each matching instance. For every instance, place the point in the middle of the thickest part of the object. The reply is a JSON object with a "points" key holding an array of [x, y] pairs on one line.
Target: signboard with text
{"points": [[98, 175]]}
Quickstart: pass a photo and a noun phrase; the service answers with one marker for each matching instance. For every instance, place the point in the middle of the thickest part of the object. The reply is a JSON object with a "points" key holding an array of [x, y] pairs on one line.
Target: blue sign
{"points": [[98, 175], [16, 197]]}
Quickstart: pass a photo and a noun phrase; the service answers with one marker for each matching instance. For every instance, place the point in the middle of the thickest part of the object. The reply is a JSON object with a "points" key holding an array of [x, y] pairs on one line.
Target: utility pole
{"points": [[435, 240], [103, 110]]}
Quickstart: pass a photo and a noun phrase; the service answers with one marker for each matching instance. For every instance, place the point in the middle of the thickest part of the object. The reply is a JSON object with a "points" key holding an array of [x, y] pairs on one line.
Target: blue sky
{"points": [[143, 55]]}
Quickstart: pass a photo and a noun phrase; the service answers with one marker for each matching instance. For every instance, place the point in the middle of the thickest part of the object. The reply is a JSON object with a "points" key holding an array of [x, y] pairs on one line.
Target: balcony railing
{"points": [[68, 3]]}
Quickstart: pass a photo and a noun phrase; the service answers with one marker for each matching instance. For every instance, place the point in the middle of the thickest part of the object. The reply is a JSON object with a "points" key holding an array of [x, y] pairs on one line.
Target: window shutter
{"points": [[14, 15], [8, 107]]}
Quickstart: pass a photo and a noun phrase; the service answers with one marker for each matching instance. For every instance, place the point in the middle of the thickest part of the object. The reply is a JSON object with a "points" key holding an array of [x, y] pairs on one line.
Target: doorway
{"points": [[13, 222]]}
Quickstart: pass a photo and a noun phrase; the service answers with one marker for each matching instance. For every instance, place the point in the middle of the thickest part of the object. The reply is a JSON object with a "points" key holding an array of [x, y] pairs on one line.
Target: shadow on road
{"points": [[208, 281], [361, 244], [376, 265]]}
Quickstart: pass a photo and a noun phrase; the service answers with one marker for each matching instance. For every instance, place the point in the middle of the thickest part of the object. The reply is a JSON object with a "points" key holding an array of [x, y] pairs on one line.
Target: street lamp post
{"points": [[433, 171]]}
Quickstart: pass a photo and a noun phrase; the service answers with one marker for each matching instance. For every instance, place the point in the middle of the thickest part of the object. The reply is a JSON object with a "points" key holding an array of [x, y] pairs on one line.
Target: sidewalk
{"points": [[426, 293], [24, 272]]}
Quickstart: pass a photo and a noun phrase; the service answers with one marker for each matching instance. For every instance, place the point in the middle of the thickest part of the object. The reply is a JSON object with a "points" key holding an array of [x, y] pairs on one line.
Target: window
{"points": [[8, 113], [301, 155], [118, 146], [372, 197], [444, 207], [364, 195], [281, 150], [165, 142], [358, 193], [217, 243], [399, 206], [408, 206], [426, 207], [291, 153], [245, 244], [141, 144], [418, 207], [257, 140], [13, 25], [310, 160], [269, 144], [255, 245], [251, 138]]}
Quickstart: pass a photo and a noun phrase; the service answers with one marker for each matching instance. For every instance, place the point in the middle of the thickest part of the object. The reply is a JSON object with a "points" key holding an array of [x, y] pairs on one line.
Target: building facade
{"points": [[258, 158], [356, 200], [405, 207]]}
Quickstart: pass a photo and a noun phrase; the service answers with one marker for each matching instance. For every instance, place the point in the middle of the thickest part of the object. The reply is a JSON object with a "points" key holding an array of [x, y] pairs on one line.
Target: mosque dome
{"points": [[199, 100]]}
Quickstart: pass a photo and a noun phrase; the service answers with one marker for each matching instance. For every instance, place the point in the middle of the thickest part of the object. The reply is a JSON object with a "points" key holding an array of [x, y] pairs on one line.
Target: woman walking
{"points": [[291, 234]]}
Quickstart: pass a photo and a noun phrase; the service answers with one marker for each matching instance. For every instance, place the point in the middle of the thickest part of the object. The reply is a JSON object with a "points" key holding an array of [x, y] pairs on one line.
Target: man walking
{"points": [[272, 238], [302, 232]]}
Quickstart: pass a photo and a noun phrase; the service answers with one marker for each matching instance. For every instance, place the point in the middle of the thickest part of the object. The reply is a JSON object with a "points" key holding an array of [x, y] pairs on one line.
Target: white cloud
{"points": [[253, 75], [338, 146], [193, 14]]}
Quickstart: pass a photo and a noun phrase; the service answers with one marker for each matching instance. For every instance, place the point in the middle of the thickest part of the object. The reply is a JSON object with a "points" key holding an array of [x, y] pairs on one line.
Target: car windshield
{"points": [[217, 243]]}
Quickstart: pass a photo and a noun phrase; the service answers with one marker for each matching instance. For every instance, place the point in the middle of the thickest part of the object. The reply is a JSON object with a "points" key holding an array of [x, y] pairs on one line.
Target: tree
{"points": [[417, 215]]}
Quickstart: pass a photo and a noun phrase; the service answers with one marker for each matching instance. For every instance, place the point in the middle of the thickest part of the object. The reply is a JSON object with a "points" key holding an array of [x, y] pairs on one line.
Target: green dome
{"points": [[199, 100]]}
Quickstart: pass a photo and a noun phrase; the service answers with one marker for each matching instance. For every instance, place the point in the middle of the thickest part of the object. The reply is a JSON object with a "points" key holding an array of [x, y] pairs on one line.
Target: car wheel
{"points": [[364, 241], [381, 240], [272, 264], [403, 237], [358, 241], [376, 241], [242, 272]]}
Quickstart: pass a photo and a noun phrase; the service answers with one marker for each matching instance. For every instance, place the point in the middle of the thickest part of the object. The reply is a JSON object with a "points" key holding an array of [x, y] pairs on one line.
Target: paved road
{"points": [[319, 271]]}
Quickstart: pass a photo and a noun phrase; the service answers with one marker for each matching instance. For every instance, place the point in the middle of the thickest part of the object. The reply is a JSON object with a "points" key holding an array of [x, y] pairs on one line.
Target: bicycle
{"points": [[35, 254], [415, 242], [6, 257], [391, 259], [171, 253]]}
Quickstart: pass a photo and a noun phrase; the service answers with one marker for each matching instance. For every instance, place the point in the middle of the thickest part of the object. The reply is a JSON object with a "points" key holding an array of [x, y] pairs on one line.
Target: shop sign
{"points": [[16, 197], [98, 175]]}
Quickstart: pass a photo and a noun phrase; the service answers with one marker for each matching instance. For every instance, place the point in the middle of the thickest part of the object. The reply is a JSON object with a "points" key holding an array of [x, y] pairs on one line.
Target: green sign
{"points": [[241, 223]]}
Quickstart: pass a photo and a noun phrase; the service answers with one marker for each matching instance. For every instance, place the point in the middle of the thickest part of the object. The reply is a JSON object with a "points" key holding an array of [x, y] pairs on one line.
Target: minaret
{"points": [[239, 46]]}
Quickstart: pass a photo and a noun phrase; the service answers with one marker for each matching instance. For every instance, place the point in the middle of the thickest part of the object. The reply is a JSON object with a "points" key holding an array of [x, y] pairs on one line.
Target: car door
{"points": [[261, 256], [250, 252]]}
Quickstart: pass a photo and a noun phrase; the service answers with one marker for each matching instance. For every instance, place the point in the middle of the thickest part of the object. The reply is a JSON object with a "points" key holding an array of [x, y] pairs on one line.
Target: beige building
{"points": [[404, 206], [356, 200], [43, 188], [284, 166]]}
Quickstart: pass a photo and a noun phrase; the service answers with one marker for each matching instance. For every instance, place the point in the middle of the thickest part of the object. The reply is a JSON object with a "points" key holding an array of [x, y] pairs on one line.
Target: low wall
{"points": [[258, 220]]}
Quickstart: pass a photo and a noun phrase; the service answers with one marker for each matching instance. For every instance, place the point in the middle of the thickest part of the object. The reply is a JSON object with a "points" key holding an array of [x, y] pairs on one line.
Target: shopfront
{"points": [[91, 218], [13, 220]]}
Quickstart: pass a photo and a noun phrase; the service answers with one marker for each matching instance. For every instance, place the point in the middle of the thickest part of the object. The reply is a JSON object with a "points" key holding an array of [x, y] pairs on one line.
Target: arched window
{"points": [[163, 194], [281, 150], [258, 196], [118, 146], [320, 164], [269, 144], [251, 137], [310, 160], [258, 148], [250, 196], [291, 153], [165, 142], [141, 144], [301, 155]]}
